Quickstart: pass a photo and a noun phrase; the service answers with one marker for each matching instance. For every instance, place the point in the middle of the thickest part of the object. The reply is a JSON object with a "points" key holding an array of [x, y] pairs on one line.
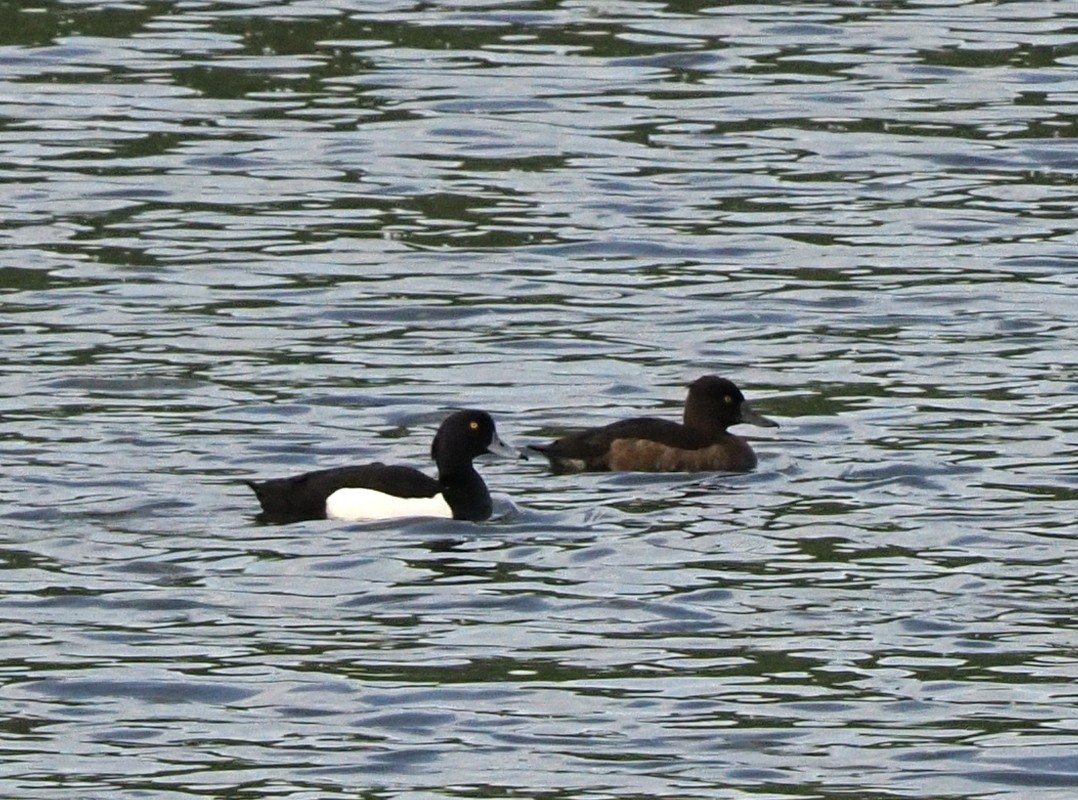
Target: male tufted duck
{"points": [[646, 444], [381, 491]]}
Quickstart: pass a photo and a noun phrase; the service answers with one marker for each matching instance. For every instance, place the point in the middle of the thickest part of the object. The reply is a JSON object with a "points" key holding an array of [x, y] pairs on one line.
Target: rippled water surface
{"points": [[244, 239]]}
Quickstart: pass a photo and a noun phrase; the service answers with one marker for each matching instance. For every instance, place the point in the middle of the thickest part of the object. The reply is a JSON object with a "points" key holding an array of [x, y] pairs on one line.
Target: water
{"points": [[249, 239]]}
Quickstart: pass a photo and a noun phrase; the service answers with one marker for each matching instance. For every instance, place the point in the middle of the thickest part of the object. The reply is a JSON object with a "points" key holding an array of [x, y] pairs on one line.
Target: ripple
{"points": [[255, 240]]}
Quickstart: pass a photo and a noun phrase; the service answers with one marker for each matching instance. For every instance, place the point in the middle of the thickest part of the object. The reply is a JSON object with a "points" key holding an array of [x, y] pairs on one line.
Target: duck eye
{"points": [[727, 399], [473, 425]]}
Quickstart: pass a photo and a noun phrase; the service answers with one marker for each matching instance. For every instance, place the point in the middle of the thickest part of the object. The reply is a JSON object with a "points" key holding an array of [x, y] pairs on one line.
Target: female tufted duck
{"points": [[646, 444], [381, 491]]}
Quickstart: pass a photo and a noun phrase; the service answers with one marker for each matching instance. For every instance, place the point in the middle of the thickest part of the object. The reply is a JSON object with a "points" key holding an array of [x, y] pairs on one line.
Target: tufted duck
{"points": [[381, 491], [646, 444]]}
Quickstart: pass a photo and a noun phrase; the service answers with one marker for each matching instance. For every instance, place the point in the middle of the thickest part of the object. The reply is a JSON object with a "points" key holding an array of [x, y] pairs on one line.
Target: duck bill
{"points": [[750, 417], [499, 448]]}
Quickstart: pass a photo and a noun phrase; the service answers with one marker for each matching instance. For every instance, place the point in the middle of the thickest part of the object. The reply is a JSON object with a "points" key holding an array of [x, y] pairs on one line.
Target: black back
{"points": [[461, 437], [593, 443], [304, 496]]}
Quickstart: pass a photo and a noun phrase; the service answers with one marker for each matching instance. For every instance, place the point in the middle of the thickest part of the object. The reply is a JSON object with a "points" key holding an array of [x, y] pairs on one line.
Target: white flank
{"points": [[355, 504]]}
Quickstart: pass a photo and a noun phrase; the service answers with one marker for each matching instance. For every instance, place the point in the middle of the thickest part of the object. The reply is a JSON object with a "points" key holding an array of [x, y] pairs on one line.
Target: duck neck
{"points": [[466, 493], [703, 419]]}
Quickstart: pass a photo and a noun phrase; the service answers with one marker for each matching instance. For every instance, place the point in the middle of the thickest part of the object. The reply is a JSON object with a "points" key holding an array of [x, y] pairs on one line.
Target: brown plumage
{"points": [[700, 443]]}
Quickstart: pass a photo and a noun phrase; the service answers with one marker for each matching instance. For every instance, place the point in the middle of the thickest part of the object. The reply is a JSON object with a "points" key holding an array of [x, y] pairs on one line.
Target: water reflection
{"points": [[240, 239]]}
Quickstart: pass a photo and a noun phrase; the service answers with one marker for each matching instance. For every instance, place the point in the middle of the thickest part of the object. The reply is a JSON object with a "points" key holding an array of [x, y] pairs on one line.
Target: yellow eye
{"points": [[473, 425]]}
